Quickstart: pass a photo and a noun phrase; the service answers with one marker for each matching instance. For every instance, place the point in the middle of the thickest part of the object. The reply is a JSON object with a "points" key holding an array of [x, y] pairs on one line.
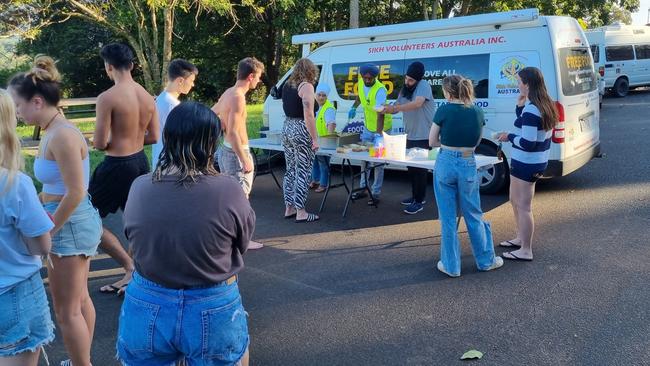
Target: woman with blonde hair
{"points": [[24, 237], [531, 143], [63, 166], [457, 128], [299, 138]]}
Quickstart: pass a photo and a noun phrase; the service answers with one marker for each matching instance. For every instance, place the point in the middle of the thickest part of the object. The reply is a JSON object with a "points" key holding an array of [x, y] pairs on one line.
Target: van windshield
{"points": [[576, 71]]}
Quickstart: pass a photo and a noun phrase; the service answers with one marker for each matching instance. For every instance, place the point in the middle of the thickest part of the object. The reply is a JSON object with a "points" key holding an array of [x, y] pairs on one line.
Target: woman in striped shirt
{"points": [[531, 142]]}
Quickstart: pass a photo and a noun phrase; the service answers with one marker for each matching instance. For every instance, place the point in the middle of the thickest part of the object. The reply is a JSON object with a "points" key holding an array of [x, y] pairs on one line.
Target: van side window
{"points": [[619, 53], [595, 53], [473, 67], [391, 74], [576, 71], [642, 51]]}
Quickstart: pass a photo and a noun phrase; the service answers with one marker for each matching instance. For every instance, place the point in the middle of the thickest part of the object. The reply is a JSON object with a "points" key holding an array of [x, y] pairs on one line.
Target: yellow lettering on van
{"points": [[384, 72], [352, 72], [389, 86], [348, 89]]}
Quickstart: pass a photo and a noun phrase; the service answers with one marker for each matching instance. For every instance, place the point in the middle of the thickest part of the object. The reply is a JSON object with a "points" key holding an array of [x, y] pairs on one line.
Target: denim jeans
{"points": [[321, 170], [159, 325], [456, 182], [81, 234], [379, 170], [25, 321]]}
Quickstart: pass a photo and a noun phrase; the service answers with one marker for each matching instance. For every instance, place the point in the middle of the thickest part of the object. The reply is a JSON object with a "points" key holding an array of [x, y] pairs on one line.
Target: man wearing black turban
{"points": [[416, 102]]}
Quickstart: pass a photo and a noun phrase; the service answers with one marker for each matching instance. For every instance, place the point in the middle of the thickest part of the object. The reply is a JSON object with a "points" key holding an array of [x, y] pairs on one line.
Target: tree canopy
{"points": [[215, 34]]}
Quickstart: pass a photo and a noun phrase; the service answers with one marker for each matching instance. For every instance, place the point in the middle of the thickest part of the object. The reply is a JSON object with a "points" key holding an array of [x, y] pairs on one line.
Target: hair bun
{"points": [[44, 69]]}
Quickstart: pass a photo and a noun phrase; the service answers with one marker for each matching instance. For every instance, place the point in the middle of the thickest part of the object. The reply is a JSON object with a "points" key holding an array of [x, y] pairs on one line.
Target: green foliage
{"points": [[216, 34], [75, 46]]}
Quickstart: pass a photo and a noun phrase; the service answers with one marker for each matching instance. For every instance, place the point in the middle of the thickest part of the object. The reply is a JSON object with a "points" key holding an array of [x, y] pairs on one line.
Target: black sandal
{"points": [[310, 218]]}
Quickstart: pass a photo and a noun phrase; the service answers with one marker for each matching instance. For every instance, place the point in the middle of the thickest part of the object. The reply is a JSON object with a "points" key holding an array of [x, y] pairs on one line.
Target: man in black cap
{"points": [[415, 101]]}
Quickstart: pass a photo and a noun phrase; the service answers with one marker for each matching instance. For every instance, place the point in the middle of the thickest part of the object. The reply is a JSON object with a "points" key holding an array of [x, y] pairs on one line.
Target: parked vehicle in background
{"points": [[622, 56], [489, 49]]}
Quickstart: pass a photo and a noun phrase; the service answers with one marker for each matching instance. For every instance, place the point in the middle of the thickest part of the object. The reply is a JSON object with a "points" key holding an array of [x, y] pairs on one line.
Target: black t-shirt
{"points": [[187, 236]]}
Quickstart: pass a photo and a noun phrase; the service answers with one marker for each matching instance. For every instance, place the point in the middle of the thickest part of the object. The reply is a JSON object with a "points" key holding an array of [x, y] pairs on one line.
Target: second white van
{"points": [[622, 56]]}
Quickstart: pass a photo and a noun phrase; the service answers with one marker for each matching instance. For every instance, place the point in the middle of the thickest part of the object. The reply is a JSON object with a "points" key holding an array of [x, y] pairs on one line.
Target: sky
{"points": [[641, 17]]}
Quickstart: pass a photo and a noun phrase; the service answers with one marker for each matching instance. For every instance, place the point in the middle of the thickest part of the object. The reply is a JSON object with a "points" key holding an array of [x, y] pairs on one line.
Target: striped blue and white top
{"points": [[531, 144]]}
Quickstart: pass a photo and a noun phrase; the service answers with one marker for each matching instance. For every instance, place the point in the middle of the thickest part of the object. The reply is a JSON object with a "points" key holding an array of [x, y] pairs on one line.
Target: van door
{"points": [[273, 112], [579, 100], [619, 68], [642, 53]]}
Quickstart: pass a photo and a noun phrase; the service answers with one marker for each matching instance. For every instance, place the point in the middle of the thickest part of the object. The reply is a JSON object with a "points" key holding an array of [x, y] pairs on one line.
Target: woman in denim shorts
{"points": [[188, 227], [63, 166], [25, 322]]}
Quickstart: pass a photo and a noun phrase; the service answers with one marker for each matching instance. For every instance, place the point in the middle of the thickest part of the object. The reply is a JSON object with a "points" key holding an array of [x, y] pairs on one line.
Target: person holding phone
{"points": [[531, 144]]}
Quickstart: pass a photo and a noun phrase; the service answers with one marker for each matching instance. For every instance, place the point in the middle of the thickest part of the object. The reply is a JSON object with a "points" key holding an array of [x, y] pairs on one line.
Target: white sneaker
{"points": [[442, 269], [498, 262], [252, 245]]}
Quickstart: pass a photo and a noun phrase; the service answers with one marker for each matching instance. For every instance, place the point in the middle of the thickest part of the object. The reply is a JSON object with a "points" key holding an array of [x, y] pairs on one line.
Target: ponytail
{"points": [[459, 88], [43, 79], [466, 91]]}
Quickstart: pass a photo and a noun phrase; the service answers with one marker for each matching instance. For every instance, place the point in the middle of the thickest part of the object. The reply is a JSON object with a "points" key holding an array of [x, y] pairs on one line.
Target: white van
{"points": [[622, 56], [489, 49]]}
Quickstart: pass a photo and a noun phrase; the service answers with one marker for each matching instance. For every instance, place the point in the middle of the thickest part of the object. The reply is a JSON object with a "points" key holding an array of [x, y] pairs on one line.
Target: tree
{"points": [[146, 25], [354, 14]]}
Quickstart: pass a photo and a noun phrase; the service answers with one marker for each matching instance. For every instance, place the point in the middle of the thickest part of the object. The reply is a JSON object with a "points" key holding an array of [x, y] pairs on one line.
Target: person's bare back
{"points": [[232, 104], [126, 119]]}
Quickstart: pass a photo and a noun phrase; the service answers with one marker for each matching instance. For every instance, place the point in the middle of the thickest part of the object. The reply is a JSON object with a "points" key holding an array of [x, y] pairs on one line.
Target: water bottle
{"points": [[380, 150]]}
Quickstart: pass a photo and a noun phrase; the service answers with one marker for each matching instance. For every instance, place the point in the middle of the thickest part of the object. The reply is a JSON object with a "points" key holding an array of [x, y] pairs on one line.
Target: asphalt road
{"points": [[364, 290]]}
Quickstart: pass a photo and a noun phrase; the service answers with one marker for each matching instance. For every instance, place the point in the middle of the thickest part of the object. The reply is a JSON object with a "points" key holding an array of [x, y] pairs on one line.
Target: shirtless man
{"points": [[126, 121], [234, 155]]}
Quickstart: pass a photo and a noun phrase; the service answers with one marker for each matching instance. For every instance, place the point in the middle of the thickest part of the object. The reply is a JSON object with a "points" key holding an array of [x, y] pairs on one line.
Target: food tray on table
{"points": [[334, 141]]}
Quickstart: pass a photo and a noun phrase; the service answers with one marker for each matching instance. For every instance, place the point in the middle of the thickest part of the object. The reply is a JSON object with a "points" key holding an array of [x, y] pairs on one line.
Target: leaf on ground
{"points": [[471, 354]]}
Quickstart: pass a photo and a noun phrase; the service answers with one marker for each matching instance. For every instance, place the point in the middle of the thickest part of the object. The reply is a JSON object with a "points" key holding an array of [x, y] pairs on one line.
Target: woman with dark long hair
{"points": [[531, 143], [188, 227]]}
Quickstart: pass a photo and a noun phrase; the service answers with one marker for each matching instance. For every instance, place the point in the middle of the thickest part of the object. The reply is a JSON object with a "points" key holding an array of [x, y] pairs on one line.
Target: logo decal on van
{"points": [[504, 68], [510, 69]]}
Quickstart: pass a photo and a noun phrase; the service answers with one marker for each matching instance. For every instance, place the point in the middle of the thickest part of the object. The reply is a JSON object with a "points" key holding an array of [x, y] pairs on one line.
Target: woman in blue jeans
{"points": [[25, 321], [188, 227], [457, 128]]}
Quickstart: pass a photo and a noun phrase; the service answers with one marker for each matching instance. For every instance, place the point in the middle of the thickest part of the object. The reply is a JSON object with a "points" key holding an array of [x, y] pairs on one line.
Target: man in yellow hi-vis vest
{"points": [[372, 95]]}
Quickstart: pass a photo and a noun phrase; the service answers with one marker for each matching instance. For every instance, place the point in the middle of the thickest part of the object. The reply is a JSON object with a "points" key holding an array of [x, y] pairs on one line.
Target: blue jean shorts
{"points": [[81, 234], [25, 321], [229, 164], [159, 326]]}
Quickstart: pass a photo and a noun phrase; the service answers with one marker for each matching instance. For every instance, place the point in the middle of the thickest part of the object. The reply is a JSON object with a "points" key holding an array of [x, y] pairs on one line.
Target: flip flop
{"points": [[310, 218], [112, 289], [320, 189], [513, 257], [509, 244], [290, 216]]}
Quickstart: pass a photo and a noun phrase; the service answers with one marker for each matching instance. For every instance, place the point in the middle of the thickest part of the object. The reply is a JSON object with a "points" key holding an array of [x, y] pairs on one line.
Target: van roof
{"points": [[621, 28], [517, 16]]}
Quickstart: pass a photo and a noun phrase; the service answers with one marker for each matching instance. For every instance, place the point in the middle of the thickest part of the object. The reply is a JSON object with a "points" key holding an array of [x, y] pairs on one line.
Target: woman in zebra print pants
{"points": [[299, 138]]}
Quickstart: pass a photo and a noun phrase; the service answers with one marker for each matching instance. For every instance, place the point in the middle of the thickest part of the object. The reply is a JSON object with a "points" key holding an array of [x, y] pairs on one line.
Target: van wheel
{"points": [[621, 87], [493, 177]]}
